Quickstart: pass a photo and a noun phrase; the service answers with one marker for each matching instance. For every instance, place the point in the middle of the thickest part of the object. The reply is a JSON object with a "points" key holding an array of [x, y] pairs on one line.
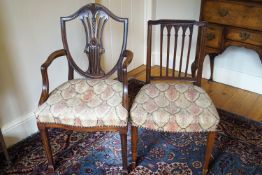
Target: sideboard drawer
{"points": [[240, 23], [245, 36], [236, 14], [214, 36]]}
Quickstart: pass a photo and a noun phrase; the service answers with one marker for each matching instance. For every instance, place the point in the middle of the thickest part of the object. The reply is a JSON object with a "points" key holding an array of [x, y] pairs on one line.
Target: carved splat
{"points": [[94, 26], [94, 18]]}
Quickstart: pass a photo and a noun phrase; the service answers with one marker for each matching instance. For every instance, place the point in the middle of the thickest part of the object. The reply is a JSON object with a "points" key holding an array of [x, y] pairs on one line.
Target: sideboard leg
{"points": [[4, 147], [193, 69], [212, 57], [260, 55]]}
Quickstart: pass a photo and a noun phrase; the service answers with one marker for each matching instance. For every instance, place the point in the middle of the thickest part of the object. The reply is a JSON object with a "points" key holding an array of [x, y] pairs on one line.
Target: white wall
{"points": [[29, 32], [238, 67]]}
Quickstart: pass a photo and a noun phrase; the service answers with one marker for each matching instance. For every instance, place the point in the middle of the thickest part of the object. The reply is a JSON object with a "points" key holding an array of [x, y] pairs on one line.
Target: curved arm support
{"points": [[45, 80], [129, 56]]}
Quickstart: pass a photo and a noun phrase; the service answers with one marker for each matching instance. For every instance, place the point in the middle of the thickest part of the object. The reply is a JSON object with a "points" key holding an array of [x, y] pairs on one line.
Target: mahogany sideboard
{"points": [[232, 23]]}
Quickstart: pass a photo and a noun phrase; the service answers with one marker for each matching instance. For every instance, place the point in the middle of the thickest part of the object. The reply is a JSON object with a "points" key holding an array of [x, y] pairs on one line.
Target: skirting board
{"points": [[236, 79], [242, 80], [19, 129]]}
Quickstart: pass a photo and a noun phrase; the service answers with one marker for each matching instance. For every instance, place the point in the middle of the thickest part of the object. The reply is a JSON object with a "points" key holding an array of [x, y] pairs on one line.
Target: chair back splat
{"points": [[93, 17], [173, 55]]}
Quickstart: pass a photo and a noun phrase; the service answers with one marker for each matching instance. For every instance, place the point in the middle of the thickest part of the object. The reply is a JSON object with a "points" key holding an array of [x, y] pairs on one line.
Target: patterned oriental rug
{"points": [[237, 151]]}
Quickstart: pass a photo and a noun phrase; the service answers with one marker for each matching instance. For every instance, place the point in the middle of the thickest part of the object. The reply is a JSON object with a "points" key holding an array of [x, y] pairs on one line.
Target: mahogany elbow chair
{"points": [[95, 102], [182, 106]]}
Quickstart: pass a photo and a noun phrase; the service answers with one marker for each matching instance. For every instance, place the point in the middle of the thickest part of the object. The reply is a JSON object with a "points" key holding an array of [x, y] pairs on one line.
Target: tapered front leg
{"points": [[123, 137], [47, 148], [210, 143], [134, 146]]}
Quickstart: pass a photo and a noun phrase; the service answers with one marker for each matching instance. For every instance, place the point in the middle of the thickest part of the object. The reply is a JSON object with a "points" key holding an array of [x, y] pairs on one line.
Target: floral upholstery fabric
{"points": [[85, 103], [174, 108]]}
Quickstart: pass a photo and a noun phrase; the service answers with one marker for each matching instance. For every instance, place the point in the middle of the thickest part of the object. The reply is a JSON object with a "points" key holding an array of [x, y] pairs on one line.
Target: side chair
{"points": [[180, 105], [92, 103]]}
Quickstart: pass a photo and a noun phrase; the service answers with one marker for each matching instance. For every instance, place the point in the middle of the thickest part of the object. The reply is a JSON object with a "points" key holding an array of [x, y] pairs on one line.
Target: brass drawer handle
{"points": [[222, 12], [210, 36], [244, 36]]}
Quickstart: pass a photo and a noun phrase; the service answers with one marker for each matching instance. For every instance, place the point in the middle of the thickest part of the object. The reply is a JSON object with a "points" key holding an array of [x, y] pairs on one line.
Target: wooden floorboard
{"points": [[256, 110], [232, 99], [135, 72]]}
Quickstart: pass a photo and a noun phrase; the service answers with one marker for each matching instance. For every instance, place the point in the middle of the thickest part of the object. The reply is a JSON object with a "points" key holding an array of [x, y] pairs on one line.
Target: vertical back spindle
{"points": [[148, 59], [175, 48], [189, 47], [161, 48], [182, 50], [169, 27]]}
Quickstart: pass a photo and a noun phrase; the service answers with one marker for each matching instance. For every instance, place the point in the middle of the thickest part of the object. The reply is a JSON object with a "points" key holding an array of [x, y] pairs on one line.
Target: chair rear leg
{"points": [[47, 148], [123, 137], [210, 142], [134, 146]]}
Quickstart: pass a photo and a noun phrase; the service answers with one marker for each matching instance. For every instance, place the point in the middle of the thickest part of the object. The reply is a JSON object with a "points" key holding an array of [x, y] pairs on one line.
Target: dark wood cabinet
{"points": [[232, 23]]}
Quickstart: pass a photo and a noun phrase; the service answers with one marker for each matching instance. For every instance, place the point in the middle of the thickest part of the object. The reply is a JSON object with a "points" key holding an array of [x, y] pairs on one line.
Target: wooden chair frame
{"points": [[196, 69], [94, 49]]}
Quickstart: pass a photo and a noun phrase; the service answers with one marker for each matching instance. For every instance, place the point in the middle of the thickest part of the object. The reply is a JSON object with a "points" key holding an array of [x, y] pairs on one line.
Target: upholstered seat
{"points": [[85, 103], [174, 108]]}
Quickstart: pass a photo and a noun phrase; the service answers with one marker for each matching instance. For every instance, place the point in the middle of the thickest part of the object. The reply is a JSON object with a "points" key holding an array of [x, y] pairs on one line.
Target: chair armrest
{"points": [[129, 56], [45, 81]]}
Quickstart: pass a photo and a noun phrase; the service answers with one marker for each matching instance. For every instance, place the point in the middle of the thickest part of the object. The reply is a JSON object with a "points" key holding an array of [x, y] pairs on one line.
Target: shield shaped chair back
{"points": [[93, 17]]}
